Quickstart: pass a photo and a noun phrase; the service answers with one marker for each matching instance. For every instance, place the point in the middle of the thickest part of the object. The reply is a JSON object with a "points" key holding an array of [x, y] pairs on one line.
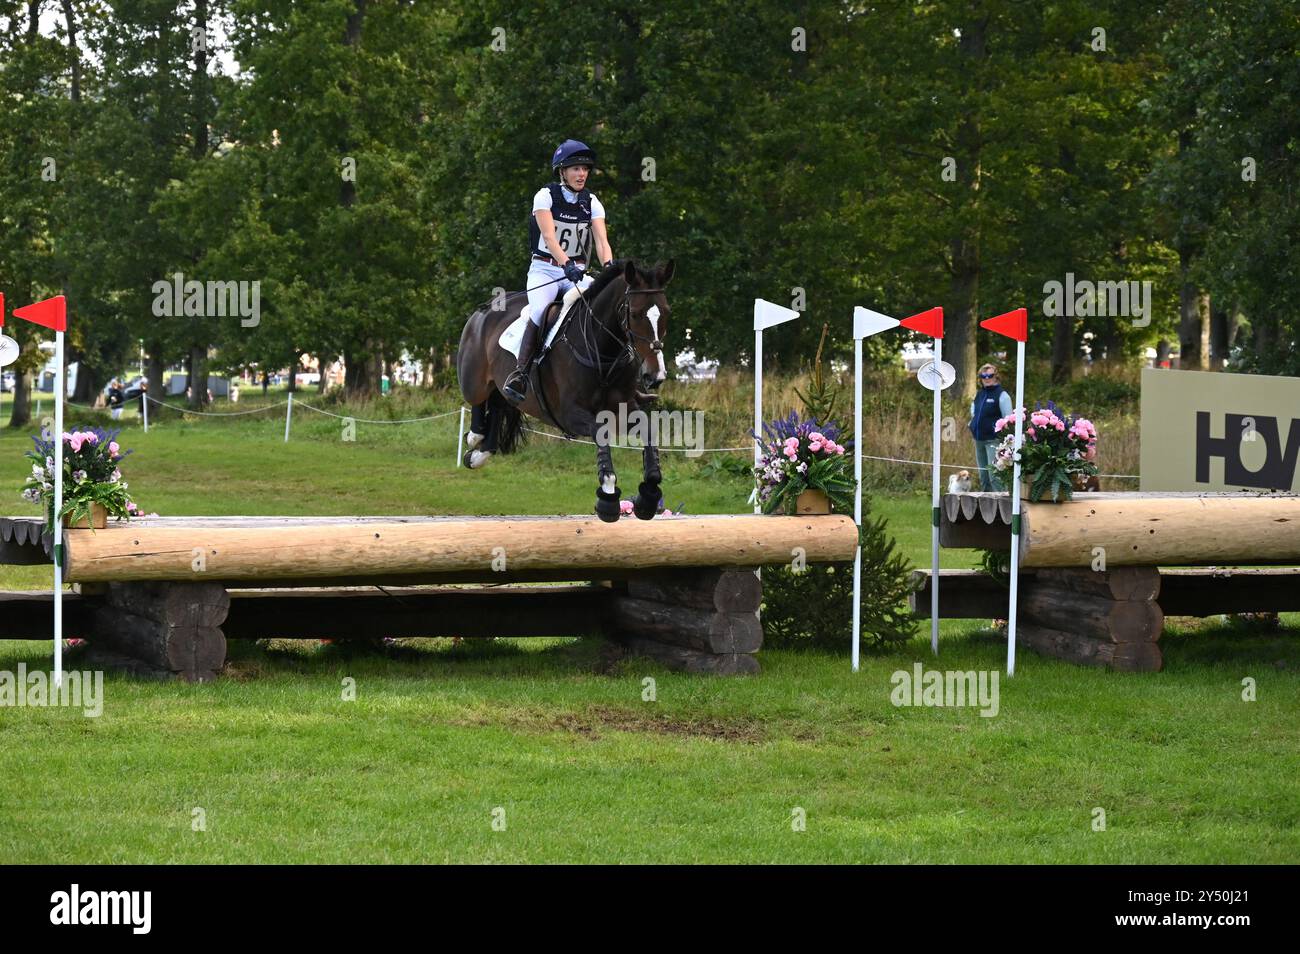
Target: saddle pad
{"points": [[513, 336]]}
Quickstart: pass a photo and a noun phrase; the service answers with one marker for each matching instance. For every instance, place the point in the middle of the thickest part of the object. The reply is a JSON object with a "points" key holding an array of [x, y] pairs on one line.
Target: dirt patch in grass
{"points": [[595, 719]]}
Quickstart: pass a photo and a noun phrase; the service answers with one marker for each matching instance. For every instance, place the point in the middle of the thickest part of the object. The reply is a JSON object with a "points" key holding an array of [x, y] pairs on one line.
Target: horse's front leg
{"points": [[648, 496]]}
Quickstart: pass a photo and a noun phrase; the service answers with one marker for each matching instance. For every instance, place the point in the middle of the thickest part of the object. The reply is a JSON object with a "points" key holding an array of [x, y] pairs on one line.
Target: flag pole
{"points": [[60, 386], [857, 498], [1015, 507], [1014, 324], [934, 497]]}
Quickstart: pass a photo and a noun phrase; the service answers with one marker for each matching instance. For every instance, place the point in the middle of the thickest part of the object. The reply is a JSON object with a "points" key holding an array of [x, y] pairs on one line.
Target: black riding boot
{"points": [[516, 386]]}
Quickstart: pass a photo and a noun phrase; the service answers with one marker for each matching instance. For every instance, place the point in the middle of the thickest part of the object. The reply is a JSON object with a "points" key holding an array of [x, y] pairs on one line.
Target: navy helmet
{"points": [[573, 153]]}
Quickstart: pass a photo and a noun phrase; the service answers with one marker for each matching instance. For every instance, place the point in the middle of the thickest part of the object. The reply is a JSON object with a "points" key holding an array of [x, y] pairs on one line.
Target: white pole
{"points": [[59, 388], [460, 435], [144, 409], [857, 498], [1015, 508], [758, 406], [934, 498], [38, 405], [288, 416]]}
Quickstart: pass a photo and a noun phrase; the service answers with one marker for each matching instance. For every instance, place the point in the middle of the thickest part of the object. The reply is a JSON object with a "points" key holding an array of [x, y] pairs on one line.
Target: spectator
{"points": [[991, 403], [115, 400]]}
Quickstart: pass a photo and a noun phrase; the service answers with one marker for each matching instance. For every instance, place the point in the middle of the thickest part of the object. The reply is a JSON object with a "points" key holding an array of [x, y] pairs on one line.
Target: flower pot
{"points": [[98, 519], [812, 501]]}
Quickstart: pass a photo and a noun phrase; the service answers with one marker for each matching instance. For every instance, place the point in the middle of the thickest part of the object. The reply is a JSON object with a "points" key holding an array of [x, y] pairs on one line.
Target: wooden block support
{"points": [[166, 630], [703, 622]]}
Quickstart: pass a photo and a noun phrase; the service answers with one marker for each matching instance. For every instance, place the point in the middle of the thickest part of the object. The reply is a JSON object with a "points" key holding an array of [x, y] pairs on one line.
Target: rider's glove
{"points": [[572, 272]]}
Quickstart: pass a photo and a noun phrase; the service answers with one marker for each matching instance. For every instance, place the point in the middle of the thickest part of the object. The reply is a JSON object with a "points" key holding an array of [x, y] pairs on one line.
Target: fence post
{"points": [[460, 435], [288, 416]]}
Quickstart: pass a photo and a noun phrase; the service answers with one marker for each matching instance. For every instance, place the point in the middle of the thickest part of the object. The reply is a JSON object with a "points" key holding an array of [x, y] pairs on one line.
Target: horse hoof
{"points": [[607, 506], [644, 505], [472, 440], [475, 459]]}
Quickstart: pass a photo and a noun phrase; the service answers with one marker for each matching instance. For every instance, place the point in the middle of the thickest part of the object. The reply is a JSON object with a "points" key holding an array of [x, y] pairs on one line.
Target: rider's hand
{"points": [[572, 272]]}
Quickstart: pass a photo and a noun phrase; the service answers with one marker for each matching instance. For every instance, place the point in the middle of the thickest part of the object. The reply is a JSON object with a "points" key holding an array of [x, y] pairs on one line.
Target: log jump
{"points": [[160, 596], [1098, 580]]}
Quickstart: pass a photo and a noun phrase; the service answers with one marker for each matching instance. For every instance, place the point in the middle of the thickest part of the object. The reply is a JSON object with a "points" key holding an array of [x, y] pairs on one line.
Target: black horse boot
{"points": [[516, 387]]}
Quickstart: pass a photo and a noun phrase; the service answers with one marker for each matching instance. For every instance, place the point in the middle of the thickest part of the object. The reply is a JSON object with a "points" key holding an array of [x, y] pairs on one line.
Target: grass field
{"points": [[582, 769]]}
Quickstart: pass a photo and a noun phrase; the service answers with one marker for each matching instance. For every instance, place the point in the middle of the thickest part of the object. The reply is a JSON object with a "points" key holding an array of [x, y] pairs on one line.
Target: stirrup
{"points": [[516, 386]]}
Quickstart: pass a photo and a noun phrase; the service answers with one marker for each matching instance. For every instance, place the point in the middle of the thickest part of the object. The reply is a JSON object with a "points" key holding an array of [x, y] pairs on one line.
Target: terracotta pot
{"points": [[98, 519], [812, 501]]}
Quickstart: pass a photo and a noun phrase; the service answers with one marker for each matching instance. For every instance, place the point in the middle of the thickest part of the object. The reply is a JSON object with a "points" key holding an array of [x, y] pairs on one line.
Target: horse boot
{"points": [[516, 386]]}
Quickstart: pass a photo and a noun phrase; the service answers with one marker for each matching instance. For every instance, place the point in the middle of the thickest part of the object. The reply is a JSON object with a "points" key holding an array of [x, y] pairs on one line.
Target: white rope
{"points": [[363, 420], [679, 450], [186, 410], [927, 463]]}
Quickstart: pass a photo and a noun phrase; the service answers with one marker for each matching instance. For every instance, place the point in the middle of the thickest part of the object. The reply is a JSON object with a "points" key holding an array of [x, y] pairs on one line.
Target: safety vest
{"points": [[572, 225]]}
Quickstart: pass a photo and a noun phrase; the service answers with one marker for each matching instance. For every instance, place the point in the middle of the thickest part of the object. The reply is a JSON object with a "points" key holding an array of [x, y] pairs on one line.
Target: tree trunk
{"points": [[1062, 349], [963, 298], [198, 379], [21, 415], [1162, 352], [1193, 319], [154, 374], [1219, 319]]}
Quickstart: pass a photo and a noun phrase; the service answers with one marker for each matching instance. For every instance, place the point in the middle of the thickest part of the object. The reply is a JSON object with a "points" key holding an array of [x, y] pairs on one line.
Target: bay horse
{"points": [[613, 330]]}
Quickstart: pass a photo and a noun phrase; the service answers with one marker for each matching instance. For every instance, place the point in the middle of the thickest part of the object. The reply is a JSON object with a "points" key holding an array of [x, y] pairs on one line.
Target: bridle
{"points": [[590, 354]]}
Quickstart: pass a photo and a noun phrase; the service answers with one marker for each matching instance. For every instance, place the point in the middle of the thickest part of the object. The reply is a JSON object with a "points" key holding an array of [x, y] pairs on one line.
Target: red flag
{"points": [[929, 322], [2, 309], [52, 313], [1013, 324]]}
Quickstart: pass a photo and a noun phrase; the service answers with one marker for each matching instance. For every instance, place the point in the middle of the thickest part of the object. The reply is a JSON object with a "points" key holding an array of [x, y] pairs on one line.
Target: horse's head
{"points": [[647, 318]]}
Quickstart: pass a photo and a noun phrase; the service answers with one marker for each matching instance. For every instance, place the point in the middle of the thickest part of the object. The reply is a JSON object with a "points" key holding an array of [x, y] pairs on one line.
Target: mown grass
{"points": [[584, 768]]}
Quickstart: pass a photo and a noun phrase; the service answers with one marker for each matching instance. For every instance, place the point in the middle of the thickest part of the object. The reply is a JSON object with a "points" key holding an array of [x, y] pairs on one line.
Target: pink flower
{"points": [[113, 448], [1060, 425], [666, 512], [625, 506], [1030, 432], [791, 452], [1090, 453], [74, 440], [839, 449], [90, 436]]}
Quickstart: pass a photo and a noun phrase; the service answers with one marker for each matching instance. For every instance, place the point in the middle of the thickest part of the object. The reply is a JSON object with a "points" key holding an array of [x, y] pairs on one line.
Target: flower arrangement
{"points": [[802, 455], [625, 508], [91, 476], [1057, 449]]}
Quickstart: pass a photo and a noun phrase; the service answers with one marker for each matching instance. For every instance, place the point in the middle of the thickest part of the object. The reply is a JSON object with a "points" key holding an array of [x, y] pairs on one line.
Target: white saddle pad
{"points": [[513, 336]]}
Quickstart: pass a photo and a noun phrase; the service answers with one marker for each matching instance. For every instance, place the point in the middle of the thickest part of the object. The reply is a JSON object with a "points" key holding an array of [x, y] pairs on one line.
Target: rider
{"points": [[565, 217]]}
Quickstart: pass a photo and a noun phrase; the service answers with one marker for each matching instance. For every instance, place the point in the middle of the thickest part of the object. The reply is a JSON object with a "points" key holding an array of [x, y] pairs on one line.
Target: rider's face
{"points": [[575, 177]]}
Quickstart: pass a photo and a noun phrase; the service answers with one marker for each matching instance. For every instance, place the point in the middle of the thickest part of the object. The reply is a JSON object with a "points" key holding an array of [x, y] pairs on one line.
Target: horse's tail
{"points": [[507, 424]]}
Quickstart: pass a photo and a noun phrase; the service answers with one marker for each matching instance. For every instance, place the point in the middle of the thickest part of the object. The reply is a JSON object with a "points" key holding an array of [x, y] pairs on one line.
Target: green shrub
{"points": [[813, 609]]}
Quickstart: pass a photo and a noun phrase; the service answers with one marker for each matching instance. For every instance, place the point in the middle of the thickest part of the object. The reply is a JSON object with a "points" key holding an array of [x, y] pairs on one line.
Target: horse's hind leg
{"points": [[480, 442], [478, 425]]}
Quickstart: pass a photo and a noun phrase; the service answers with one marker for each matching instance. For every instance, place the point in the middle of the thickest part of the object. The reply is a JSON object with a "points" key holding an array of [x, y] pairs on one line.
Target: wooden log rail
{"points": [[1133, 529], [352, 548]]}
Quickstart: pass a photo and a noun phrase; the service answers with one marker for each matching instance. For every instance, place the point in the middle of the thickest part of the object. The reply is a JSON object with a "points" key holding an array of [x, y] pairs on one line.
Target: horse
{"points": [[614, 330]]}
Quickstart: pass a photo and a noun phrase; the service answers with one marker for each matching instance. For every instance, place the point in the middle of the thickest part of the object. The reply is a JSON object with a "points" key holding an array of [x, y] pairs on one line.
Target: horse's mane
{"points": [[614, 271]]}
